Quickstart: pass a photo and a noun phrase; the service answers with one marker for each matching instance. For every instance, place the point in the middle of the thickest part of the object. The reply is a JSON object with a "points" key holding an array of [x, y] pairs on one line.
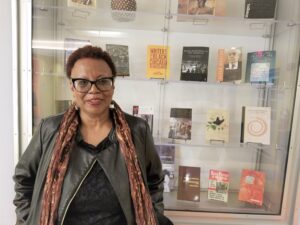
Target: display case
{"points": [[50, 30]]}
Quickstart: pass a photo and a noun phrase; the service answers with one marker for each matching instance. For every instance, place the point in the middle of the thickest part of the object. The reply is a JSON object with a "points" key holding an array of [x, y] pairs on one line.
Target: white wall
{"points": [[7, 216]]}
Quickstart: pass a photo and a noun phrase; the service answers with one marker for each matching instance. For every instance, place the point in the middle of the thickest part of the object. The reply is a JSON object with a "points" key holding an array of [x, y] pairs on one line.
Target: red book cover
{"points": [[252, 186], [218, 185]]}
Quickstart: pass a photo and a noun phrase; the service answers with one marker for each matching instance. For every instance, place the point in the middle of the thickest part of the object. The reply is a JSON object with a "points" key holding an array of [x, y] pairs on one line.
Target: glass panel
{"points": [[59, 28]]}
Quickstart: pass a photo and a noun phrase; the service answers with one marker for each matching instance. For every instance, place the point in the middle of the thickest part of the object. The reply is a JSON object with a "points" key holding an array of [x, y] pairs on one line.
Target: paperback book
{"points": [[167, 157], [252, 187], [189, 183], [120, 56], [180, 123], [260, 67], [158, 61], [260, 9], [218, 185], [217, 125], [199, 7], [256, 123], [229, 65], [145, 112], [194, 63], [82, 3]]}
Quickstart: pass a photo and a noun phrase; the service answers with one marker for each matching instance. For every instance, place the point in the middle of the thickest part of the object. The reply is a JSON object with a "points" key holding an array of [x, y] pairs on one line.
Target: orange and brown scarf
{"points": [[144, 212]]}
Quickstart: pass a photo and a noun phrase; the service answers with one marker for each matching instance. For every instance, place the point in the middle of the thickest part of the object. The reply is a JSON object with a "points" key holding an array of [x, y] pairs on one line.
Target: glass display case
{"points": [[50, 30]]}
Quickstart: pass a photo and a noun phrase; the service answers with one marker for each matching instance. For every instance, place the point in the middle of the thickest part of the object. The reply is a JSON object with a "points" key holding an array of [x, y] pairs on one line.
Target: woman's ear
{"points": [[71, 85]]}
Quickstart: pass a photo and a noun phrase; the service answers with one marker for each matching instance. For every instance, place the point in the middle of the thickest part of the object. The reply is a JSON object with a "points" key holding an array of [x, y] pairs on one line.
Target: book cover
{"points": [[260, 9], [82, 3], [256, 123], [145, 112], [158, 61], [218, 185], [217, 125], [199, 7], [229, 64], [260, 66], [194, 63], [180, 123], [120, 56], [252, 185], [167, 157], [189, 183]]}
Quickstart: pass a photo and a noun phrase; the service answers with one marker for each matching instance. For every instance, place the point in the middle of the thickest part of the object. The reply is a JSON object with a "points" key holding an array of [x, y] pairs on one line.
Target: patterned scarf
{"points": [[144, 212]]}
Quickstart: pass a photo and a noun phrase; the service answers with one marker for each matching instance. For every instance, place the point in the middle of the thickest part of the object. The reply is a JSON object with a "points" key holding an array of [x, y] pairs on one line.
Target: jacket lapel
{"points": [[113, 164]]}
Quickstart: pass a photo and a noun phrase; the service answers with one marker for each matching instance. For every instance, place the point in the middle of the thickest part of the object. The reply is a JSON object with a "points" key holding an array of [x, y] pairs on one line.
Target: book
{"points": [[189, 183], [199, 7], [256, 125], [120, 57], [260, 9], [217, 125], [82, 3], [180, 123], [218, 185], [158, 61], [167, 157], [229, 64], [252, 185], [260, 67], [145, 112], [194, 63]]}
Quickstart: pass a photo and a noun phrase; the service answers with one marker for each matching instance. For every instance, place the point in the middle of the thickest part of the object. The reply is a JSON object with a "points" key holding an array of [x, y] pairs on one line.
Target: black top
{"points": [[95, 203]]}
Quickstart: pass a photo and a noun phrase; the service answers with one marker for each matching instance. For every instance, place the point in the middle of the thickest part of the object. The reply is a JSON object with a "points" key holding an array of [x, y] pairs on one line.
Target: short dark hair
{"points": [[93, 52]]}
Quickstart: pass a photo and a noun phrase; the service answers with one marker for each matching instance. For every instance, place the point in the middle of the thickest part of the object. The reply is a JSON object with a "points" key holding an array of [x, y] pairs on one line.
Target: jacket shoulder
{"points": [[135, 122], [51, 124]]}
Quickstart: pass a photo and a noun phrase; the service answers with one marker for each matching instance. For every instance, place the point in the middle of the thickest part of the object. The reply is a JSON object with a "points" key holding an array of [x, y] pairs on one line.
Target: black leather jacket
{"points": [[31, 170]]}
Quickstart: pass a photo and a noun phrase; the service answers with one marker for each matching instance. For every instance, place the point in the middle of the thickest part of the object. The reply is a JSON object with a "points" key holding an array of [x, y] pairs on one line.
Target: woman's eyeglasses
{"points": [[84, 85]]}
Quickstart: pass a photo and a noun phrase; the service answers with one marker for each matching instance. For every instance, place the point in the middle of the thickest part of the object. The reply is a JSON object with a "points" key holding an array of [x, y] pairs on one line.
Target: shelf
{"points": [[205, 205], [152, 16]]}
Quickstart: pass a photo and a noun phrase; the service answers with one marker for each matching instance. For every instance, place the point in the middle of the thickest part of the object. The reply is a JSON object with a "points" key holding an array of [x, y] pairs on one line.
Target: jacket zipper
{"points": [[73, 196]]}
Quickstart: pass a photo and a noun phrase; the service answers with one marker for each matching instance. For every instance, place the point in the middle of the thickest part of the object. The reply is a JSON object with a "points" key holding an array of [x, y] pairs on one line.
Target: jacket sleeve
{"points": [[25, 174], [155, 178]]}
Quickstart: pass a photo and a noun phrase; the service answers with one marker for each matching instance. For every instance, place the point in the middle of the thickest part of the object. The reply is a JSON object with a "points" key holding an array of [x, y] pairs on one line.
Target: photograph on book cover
{"points": [[120, 56], [194, 63], [218, 185], [82, 3], [166, 154], [180, 123]]}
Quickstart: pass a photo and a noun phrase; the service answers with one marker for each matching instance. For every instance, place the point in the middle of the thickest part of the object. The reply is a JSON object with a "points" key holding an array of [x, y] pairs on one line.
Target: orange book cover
{"points": [[252, 186], [158, 61]]}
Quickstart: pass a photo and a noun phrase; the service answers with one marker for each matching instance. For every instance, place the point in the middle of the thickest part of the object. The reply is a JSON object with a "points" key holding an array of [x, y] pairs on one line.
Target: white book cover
{"points": [[257, 123], [217, 125], [144, 112]]}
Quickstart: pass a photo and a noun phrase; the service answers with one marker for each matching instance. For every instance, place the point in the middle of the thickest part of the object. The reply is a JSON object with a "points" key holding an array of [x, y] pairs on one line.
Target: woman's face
{"points": [[93, 102]]}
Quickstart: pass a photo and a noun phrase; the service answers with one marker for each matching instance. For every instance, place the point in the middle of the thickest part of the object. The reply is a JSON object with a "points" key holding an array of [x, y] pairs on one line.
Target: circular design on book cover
{"points": [[257, 127]]}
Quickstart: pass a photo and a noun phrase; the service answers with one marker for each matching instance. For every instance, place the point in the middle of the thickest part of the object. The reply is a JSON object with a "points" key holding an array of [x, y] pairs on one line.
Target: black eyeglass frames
{"points": [[84, 85]]}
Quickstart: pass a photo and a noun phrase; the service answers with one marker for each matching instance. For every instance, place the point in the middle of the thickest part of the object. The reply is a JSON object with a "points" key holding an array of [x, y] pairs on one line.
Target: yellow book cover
{"points": [[158, 61]]}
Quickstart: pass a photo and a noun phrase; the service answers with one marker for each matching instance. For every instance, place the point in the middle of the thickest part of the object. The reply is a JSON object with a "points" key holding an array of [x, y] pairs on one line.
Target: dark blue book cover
{"points": [[261, 67]]}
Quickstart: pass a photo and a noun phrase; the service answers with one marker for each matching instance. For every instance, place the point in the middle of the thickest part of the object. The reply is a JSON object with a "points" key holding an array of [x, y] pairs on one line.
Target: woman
{"points": [[93, 164]]}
